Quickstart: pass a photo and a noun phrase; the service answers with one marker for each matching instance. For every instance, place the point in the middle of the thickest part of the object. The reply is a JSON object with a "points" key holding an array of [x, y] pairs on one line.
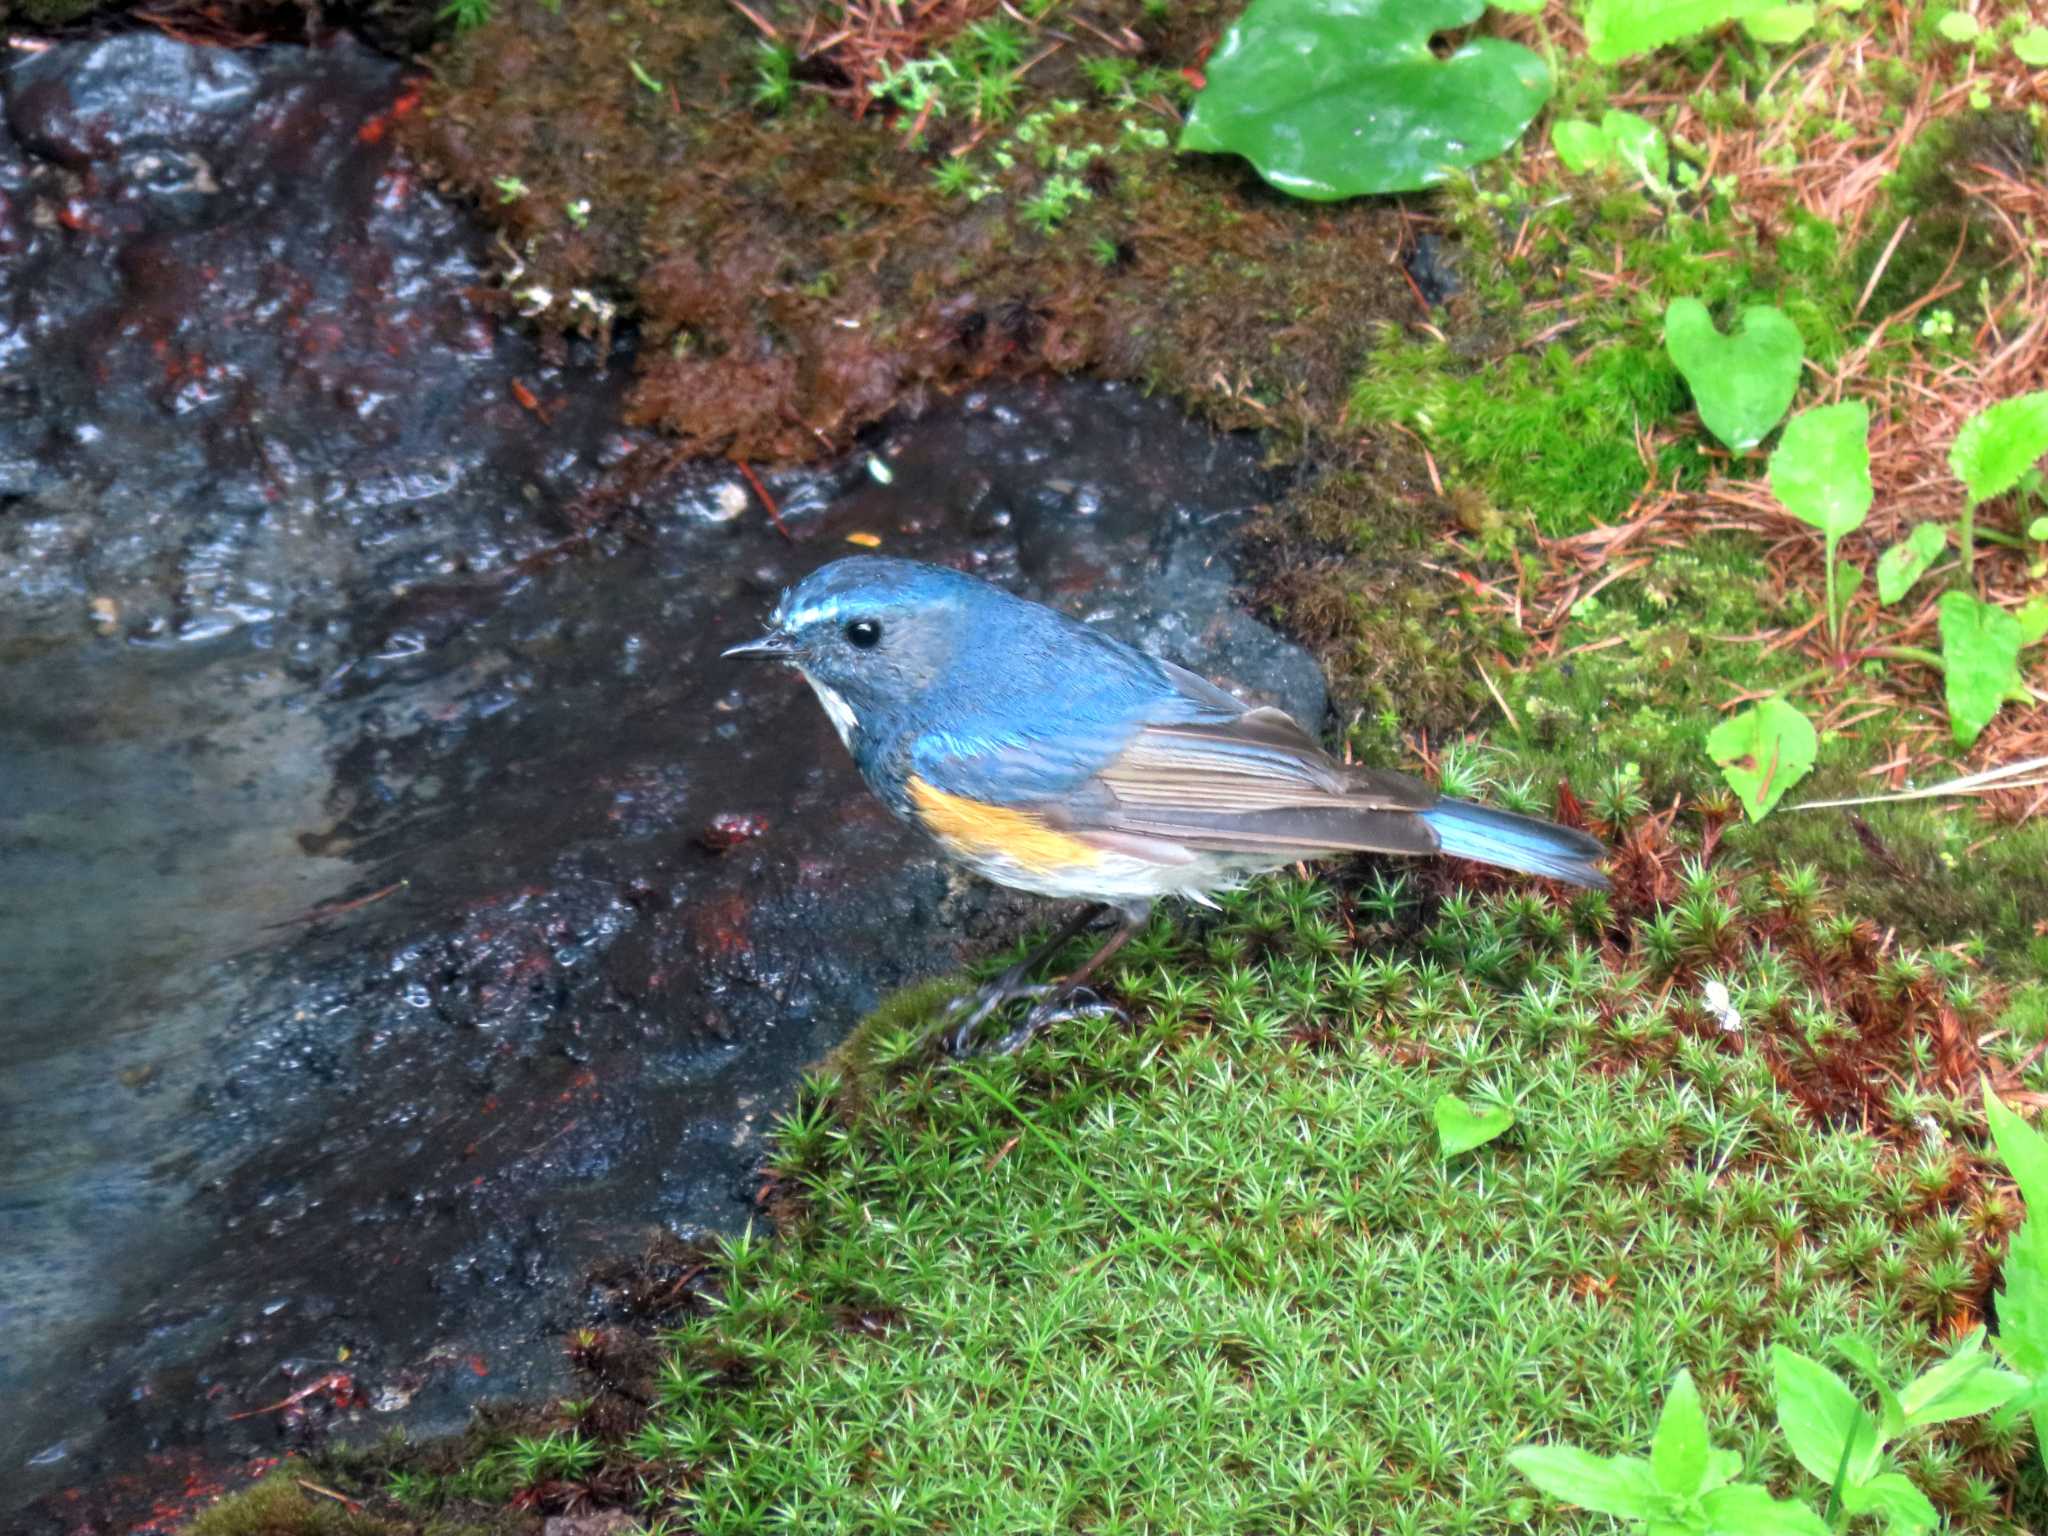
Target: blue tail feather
{"points": [[1520, 843]]}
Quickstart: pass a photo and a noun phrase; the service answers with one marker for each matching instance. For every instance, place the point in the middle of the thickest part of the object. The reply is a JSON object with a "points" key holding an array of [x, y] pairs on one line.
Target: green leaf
{"points": [[1997, 446], [1892, 1495], [1678, 1453], [1460, 1127], [1820, 469], [1964, 1385], [2033, 617], [1958, 27], [2037, 530], [1763, 751], [1580, 145], [2031, 47], [1980, 648], [2023, 1300], [1518, 7], [1621, 29], [1340, 98], [1638, 144], [1780, 24], [1821, 1419], [1623, 1486], [1907, 561], [1891, 1413], [1742, 382], [1744, 1509]]}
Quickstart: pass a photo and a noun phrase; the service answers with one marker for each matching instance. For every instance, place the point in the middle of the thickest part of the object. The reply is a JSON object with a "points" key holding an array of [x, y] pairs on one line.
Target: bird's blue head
{"points": [[871, 635]]}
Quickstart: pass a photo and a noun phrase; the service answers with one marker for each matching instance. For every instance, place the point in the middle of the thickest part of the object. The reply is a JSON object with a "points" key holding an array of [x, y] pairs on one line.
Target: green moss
{"points": [[1203, 1271], [279, 1506], [1550, 437]]}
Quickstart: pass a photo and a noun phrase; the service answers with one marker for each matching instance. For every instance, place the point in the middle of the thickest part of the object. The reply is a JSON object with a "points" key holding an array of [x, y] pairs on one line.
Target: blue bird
{"points": [[1050, 757]]}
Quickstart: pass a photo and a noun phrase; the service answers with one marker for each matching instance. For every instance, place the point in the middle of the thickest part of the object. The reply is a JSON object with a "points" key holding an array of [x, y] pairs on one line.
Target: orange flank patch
{"points": [[977, 831]]}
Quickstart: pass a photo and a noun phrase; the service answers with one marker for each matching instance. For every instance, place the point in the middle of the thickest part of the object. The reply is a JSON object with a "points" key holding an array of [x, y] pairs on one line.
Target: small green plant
{"points": [[1820, 472], [467, 15], [1685, 1487], [530, 1459], [2031, 47], [1742, 382], [647, 81], [1342, 98], [1619, 139], [1461, 1128], [1843, 1444], [1995, 451], [510, 188], [774, 77], [1763, 751]]}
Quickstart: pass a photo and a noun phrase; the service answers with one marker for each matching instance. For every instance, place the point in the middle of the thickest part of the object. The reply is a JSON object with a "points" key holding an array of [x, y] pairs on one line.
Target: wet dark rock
{"points": [[406, 907]]}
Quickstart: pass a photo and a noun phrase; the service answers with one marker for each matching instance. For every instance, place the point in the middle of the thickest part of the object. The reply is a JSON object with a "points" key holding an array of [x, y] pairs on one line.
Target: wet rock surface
{"points": [[404, 908]]}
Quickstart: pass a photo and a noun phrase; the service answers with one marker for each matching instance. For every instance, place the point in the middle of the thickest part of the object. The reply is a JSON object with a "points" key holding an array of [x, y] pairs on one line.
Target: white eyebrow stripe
{"points": [[828, 609]]}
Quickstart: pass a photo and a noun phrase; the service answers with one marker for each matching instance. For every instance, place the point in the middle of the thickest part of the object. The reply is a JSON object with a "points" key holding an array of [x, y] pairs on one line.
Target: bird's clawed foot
{"points": [[1062, 1004], [1010, 987]]}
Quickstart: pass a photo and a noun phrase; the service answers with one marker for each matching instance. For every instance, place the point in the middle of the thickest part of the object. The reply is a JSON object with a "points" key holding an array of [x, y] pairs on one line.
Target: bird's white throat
{"points": [[841, 714]]}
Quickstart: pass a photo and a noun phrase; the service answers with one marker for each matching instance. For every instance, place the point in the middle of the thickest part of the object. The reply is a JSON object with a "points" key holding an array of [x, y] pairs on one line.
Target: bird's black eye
{"points": [[864, 634]]}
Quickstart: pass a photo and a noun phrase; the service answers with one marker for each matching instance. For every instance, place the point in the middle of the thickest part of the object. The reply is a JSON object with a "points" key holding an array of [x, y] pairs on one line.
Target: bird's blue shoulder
{"points": [[1038, 704]]}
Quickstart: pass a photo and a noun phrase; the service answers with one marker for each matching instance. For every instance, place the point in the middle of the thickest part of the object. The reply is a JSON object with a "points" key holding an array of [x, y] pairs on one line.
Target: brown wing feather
{"points": [[1254, 782]]}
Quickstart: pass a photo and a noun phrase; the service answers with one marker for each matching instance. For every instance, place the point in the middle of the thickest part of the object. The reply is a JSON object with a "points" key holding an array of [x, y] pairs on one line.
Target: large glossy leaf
{"points": [[1339, 98], [1980, 647], [1743, 382], [1820, 469], [1997, 446], [1763, 752]]}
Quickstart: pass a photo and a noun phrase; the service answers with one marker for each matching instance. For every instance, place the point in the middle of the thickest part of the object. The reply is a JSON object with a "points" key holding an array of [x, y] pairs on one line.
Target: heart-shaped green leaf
{"points": [[1959, 27], [1460, 1127], [1339, 98], [1980, 649], [2031, 47], [1763, 752], [1998, 446], [1907, 561], [1820, 469], [1742, 383]]}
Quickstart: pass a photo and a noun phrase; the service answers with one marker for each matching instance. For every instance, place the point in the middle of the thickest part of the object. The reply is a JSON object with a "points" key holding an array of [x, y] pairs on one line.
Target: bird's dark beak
{"points": [[774, 643]]}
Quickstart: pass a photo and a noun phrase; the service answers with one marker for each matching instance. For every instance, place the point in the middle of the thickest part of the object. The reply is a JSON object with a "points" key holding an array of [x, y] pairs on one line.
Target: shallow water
{"points": [[403, 907]]}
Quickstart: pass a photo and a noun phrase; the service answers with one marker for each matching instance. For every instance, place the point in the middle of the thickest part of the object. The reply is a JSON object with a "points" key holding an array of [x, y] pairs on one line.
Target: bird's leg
{"points": [[1073, 998], [1014, 983]]}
